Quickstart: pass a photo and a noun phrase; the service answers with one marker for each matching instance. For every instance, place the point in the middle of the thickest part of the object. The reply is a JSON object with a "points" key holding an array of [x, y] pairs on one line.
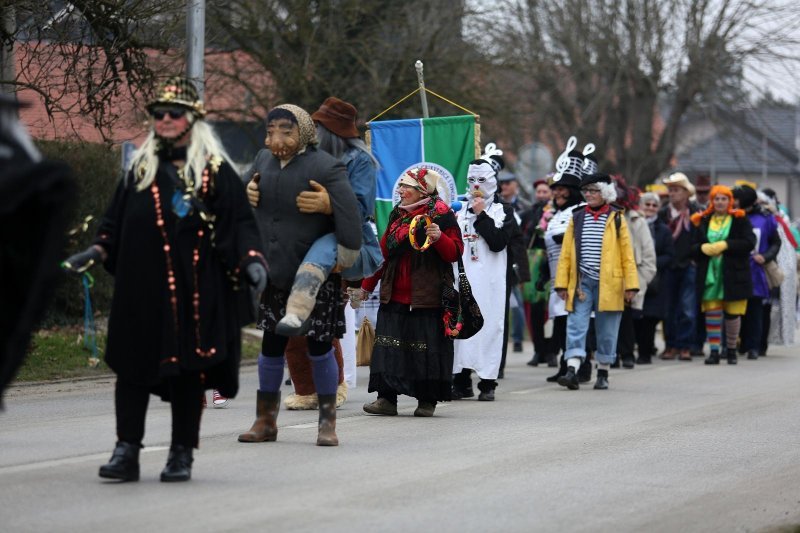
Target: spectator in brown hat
{"points": [[702, 186], [680, 324]]}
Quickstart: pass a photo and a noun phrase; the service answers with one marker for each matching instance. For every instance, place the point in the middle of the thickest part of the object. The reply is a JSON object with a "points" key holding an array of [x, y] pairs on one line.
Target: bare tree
{"points": [[362, 52], [623, 73], [81, 57]]}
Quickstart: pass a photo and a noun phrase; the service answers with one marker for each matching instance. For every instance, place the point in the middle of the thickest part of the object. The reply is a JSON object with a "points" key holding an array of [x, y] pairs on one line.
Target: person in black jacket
{"points": [[768, 244], [655, 306], [722, 247], [180, 240]]}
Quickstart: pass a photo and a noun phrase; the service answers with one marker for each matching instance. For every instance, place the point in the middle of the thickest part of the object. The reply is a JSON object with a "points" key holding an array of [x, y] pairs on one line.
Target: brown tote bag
{"points": [[364, 343]]}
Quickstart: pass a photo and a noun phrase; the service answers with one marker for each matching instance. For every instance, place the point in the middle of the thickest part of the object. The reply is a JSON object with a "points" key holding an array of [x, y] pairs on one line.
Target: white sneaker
{"points": [[219, 401]]}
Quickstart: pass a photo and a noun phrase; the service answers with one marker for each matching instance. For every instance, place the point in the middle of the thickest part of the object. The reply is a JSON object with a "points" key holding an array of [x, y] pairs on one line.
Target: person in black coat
{"points": [[655, 301], [36, 198], [722, 246], [180, 240]]}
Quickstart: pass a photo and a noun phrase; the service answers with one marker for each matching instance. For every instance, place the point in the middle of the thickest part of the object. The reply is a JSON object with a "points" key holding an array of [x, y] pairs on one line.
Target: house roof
{"points": [[734, 142]]}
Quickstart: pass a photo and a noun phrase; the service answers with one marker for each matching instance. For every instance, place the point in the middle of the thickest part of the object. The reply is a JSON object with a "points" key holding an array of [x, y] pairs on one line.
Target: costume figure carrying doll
{"points": [[335, 122], [292, 165], [338, 136]]}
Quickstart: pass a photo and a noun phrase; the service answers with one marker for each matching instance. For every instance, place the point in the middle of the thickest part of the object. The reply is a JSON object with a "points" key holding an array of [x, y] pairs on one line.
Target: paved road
{"points": [[674, 446]]}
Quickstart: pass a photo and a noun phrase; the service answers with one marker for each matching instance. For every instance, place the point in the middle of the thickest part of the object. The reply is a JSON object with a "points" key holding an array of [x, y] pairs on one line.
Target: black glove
{"points": [[83, 261], [256, 276], [541, 283]]}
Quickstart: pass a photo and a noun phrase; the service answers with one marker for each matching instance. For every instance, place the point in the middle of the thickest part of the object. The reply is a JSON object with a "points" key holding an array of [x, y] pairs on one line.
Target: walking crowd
{"points": [[590, 268]]}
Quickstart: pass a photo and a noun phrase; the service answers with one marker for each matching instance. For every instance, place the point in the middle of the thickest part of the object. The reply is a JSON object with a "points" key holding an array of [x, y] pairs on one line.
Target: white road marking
{"points": [[28, 467]]}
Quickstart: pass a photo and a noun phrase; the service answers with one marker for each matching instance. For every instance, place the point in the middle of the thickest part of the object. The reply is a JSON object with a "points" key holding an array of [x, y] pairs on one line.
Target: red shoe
{"points": [[220, 401]]}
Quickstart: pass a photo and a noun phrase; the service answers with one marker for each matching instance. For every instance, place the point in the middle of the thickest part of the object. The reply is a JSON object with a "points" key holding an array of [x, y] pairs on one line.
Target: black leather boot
{"points": [[486, 386], [731, 353], [585, 371], [570, 379], [179, 464], [602, 380], [562, 369], [326, 433], [462, 385], [713, 358], [124, 463]]}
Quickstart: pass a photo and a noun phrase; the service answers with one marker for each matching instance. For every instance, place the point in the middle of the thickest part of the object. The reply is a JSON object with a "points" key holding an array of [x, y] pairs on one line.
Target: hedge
{"points": [[96, 169]]}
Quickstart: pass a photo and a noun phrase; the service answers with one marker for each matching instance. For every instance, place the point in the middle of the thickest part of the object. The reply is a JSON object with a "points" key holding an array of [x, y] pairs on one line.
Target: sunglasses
{"points": [[174, 114]]}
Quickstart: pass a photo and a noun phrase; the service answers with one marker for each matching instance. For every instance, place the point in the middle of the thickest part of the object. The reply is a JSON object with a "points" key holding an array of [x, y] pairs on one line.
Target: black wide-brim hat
{"points": [[595, 178]]}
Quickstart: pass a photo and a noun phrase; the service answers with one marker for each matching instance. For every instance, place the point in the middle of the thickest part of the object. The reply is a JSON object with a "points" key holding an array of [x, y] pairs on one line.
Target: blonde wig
{"points": [[203, 145]]}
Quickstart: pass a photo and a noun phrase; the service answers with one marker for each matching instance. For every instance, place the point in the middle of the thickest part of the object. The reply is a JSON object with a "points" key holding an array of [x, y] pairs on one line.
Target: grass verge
{"points": [[58, 353]]}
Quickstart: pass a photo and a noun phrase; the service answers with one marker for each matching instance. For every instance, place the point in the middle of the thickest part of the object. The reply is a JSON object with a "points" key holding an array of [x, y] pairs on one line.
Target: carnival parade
{"points": [[417, 310]]}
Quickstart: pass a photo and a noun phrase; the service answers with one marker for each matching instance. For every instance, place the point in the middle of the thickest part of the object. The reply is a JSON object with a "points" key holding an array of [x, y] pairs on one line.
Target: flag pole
{"points": [[422, 95]]}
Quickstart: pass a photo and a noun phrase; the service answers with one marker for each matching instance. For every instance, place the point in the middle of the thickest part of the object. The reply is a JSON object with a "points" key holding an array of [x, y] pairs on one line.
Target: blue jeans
{"points": [[323, 254], [682, 308], [606, 325]]}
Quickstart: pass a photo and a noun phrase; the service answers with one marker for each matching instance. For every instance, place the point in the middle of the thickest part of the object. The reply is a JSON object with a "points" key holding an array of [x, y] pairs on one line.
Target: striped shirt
{"points": [[592, 245]]}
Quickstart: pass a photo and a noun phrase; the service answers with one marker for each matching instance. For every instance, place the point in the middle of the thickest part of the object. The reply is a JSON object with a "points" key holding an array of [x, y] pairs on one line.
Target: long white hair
{"points": [[203, 145]]}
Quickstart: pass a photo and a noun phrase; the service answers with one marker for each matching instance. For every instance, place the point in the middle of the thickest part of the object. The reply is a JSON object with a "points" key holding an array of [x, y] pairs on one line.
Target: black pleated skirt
{"points": [[412, 355]]}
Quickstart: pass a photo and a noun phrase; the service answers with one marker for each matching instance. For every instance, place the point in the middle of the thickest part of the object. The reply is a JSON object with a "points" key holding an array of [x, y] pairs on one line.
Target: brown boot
{"points": [[264, 428], [327, 421]]}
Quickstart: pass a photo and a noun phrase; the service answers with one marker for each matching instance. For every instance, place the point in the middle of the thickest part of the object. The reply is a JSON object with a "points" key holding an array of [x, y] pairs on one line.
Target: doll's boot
{"points": [[307, 282]]}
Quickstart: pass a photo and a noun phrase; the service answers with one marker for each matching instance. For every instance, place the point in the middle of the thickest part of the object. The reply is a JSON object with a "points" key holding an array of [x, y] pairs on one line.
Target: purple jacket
{"points": [[768, 242]]}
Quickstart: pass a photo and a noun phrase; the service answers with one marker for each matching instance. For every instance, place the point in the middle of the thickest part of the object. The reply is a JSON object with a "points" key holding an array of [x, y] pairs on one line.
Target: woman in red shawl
{"points": [[412, 353]]}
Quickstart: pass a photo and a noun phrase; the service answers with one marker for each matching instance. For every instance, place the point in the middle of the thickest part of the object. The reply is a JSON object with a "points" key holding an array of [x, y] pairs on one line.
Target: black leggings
{"points": [[274, 345], [186, 400]]}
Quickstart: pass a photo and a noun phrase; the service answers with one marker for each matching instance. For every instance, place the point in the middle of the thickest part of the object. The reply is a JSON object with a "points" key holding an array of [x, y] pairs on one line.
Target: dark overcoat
{"points": [[147, 340], [655, 300]]}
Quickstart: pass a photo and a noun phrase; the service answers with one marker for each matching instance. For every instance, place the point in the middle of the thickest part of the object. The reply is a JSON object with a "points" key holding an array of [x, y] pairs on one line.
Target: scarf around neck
{"points": [[400, 219]]}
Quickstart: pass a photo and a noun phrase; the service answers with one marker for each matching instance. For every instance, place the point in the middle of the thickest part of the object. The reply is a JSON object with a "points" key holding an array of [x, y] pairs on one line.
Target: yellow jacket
{"points": [[617, 265]]}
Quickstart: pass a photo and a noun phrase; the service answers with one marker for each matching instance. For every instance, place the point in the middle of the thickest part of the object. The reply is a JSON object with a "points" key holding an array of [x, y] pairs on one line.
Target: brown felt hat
{"points": [[338, 116]]}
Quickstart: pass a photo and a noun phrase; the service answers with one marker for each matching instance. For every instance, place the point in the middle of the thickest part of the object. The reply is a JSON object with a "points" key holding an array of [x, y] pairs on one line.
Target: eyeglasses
{"points": [[174, 114], [648, 204], [590, 191]]}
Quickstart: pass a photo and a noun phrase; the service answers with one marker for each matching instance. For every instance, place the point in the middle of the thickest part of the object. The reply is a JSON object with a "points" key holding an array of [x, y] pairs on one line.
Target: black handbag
{"points": [[462, 315]]}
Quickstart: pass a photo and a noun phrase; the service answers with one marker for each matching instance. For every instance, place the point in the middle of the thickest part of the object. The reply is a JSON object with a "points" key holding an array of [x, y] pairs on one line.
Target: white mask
{"points": [[481, 181]]}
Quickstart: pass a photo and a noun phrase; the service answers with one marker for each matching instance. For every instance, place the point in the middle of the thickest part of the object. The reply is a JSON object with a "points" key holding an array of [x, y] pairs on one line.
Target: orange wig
{"points": [[715, 190]]}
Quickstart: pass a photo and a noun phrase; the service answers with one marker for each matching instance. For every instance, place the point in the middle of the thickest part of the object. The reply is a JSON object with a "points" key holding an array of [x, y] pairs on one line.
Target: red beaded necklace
{"points": [[171, 272]]}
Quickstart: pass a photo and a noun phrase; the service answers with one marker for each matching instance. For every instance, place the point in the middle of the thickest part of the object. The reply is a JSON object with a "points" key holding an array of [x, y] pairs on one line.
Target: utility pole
{"points": [[422, 95], [196, 43]]}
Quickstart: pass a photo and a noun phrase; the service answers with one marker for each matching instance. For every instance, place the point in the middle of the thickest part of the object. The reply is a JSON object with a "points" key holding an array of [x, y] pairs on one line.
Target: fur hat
{"points": [[338, 116], [679, 179], [178, 91]]}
